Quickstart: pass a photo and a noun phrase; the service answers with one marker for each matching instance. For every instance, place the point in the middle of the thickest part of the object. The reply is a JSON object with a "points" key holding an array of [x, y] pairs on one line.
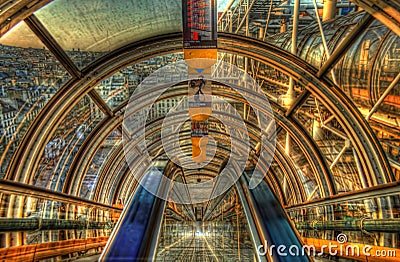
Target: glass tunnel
{"points": [[199, 130]]}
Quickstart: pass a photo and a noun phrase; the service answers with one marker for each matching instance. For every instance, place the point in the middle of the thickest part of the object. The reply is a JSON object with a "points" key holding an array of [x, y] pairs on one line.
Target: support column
{"points": [[329, 11], [230, 22], [290, 95], [261, 33], [293, 50], [248, 8], [283, 26]]}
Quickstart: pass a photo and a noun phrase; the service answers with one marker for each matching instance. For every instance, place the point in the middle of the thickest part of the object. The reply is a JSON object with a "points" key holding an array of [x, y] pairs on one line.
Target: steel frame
{"points": [[83, 81], [110, 69]]}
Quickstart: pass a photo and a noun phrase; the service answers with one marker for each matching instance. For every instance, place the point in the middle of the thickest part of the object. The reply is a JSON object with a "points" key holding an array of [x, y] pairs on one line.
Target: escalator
{"points": [[275, 237], [135, 236]]}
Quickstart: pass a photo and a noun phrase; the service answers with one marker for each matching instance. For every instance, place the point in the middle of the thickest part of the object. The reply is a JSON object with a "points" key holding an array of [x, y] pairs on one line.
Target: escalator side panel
{"points": [[274, 222], [130, 237]]}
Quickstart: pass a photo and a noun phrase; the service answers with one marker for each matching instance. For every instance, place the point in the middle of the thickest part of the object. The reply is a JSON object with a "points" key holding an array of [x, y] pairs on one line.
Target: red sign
{"points": [[199, 24]]}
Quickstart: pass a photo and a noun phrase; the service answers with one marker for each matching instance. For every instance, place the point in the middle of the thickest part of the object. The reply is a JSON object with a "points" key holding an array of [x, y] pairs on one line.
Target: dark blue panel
{"points": [[128, 242], [276, 223]]}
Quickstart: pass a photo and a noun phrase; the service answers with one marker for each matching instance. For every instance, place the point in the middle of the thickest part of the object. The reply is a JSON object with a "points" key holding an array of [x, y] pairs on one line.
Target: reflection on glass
{"points": [[84, 27], [274, 82], [291, 195], [121, 173], [331, 140], [83, 58], [101, 157], [65, 143], [377, 215], [306, 174], [384, 70], [29, 77], [119, 87], [39, 225]]}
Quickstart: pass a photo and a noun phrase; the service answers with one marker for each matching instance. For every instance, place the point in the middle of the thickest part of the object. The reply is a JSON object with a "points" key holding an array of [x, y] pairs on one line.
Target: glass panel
{"points": [[46, 226], [382, 49], [102, 26], [65, 143], [101, 157], [120, 86], [385, 71], [274, 82], [300, 162], [345, 217], [116, 180], [330, 138], [356, 65], [290, 193], [29, 77]]}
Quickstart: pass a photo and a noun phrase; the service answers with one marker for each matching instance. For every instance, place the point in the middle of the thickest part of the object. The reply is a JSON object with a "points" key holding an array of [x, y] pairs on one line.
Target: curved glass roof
{"points": [[69, 67], [101, 25], [62, 130], [115, 90]]}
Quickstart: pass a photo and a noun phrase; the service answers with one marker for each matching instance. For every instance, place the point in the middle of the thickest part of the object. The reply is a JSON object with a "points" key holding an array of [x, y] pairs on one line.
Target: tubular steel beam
{"points": [[314, 156], [228, 7], [383, 97], [297, 103], [64, 100], [284, 163], [305, 142], [121, 183], [109, 169], [384, 190], [327, 8], [371, 154], [156, 123], [371, 87], [12, 187], [84, 156], [18, 12], [35, 223], [101, 103], [246, 15], [370, 225], [129, 186], [109, 186], [386, 12], [332, 97], [340, 50], [38, 28], [100, 130]]}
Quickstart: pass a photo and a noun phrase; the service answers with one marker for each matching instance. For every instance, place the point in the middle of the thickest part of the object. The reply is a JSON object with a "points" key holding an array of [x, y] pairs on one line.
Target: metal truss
{"points": [[266, 55], [246, 15]]}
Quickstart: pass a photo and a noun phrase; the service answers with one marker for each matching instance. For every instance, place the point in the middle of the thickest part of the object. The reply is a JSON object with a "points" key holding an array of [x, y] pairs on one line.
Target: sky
{"points": [[222, 5]]}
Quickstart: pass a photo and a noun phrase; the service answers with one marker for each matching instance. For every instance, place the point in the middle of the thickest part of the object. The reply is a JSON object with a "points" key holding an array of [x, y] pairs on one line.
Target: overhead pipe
{"points": [[34, 223], [374, 225], [329, 10]]}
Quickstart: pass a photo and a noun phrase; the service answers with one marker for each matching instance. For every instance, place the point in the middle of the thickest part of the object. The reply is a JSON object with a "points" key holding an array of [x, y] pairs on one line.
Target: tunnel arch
{"points": [[105, 67]]}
